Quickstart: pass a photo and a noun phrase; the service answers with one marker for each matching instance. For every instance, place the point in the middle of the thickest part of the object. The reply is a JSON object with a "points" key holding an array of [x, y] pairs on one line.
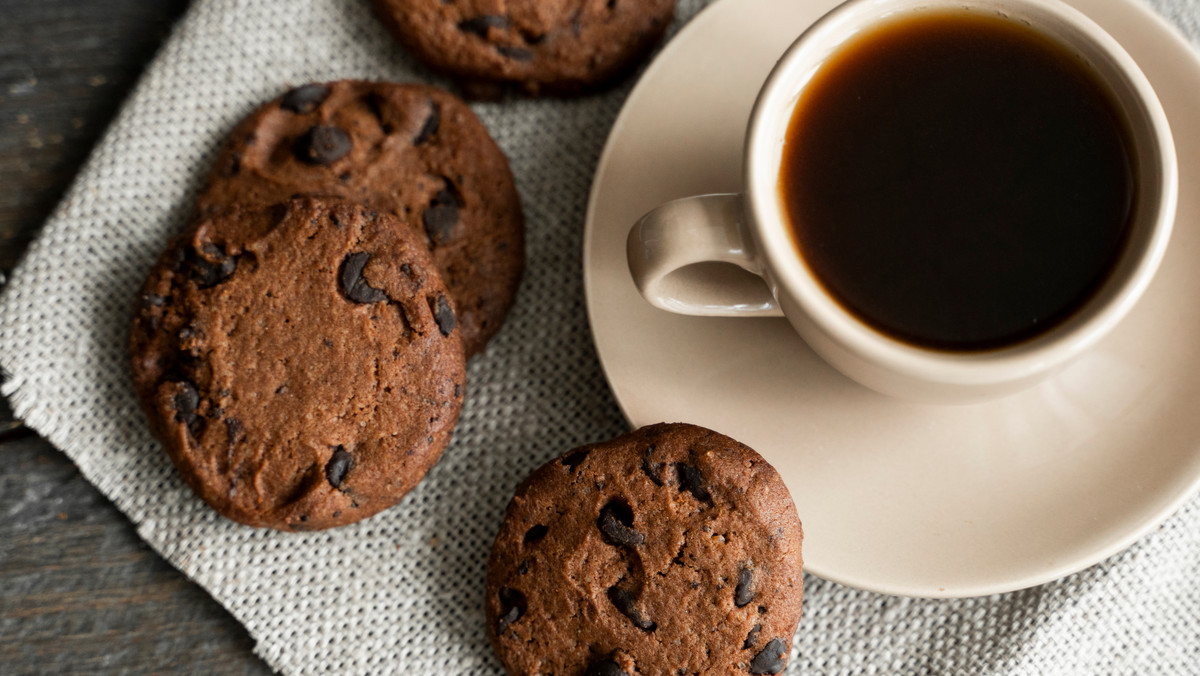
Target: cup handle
{"points": [[691, 256]]}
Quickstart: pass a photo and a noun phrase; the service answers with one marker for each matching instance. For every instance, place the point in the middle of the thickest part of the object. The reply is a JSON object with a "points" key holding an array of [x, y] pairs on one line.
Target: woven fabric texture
{"points": [[403, 592]]}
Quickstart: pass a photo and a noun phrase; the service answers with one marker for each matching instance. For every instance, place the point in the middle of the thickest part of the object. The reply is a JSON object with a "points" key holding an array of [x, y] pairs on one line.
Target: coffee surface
{"points": [[957, 180]]}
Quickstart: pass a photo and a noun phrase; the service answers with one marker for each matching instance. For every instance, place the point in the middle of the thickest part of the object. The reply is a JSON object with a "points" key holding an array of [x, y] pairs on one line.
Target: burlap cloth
{"points": [[403, 592]]}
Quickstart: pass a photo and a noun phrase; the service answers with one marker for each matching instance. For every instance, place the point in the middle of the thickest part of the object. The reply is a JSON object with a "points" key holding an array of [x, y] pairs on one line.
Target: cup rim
{"points": [[787, 273]]}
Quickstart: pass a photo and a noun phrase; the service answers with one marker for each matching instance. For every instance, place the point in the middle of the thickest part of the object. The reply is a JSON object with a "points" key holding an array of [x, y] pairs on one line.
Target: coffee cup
{"points": [[914, 290]]}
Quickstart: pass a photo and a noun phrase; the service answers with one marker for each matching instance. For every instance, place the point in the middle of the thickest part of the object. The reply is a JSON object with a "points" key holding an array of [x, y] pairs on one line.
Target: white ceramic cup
{"points": [[732, 255]]}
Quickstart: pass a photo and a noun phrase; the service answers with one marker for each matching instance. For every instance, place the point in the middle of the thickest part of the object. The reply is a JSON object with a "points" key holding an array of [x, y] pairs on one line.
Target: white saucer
{"points": [[895, 497]]}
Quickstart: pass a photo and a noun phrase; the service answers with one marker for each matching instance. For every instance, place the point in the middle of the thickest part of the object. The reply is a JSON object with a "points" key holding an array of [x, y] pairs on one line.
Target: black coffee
{"points": [[958, 181]]}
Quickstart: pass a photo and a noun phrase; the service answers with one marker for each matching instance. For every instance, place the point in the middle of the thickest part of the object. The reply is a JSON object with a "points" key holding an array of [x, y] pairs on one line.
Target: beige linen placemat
{"points": [[402, 592]]}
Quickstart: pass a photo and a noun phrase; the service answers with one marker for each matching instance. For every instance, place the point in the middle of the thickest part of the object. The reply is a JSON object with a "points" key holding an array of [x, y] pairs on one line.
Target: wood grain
{"points": [[79, 591]]}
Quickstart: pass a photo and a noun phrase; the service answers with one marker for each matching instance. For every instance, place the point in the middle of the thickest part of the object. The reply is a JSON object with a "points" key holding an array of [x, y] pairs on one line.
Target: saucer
{"points": [[896, 497]]}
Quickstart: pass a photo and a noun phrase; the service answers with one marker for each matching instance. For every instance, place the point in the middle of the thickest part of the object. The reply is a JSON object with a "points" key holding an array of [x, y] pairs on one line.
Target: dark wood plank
{"points": [[79, 591], [65, 67]]}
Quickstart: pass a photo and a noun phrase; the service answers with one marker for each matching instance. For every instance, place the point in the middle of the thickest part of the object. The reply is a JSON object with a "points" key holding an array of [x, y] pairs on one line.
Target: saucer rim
{"points": [[1177, 44]]}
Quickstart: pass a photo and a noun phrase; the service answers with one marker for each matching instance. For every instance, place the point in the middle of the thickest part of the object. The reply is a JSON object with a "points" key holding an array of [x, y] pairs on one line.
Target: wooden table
{"points": [[79, 591]]}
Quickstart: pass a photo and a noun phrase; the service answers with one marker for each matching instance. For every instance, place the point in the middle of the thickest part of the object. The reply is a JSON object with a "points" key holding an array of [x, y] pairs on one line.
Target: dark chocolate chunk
{"points": [[339, 465], [443, 314], [353, 286], [431, 124], [512, 606], [479, 25], [652, 469], [536, 533], [524, 567], [187, 401], [624, 602], [743, 594], [210, 266], [323, 145], [616, 524], [605, 668], [305, 98], [751, 637], [573, 459], [770, 659], [515, 53], [440, 217], [692, 481], [233, 429]]}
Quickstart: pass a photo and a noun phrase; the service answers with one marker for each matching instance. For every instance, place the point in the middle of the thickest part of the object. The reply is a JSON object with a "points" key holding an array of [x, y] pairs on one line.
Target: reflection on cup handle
{"points": [[691, 256]]}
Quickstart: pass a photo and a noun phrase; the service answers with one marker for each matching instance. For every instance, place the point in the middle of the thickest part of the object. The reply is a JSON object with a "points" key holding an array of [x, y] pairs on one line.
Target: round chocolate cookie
{"points": [[561, 46], [414, 151], [669, 550], [300, 363]]}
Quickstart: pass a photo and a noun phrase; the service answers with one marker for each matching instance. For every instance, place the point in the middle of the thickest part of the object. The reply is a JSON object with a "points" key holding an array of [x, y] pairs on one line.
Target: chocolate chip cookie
{"points": [[301, 364], [414, 151], [669, 550], [563, 46]]}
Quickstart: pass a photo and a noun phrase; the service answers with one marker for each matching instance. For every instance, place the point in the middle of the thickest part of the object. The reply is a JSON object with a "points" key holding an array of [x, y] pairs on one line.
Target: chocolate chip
{"points": [[431, 124], [479, 25], [515, 53], [536, 533], [623, 601], [692, 480], [524, 567], [752, 637], [616, 524], [305, 98], [743, 594], [210, 266], [605, 668], [352, 284], [443, 314], [322, 144], [440, 217], [512, 607], [233, 430], [770, 660], [651, 469], [186, 402], [339, 465], [573, 459]]}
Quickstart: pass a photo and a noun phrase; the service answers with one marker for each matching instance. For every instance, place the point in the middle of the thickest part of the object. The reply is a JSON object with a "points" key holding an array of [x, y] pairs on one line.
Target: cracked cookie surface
{"points": [[669, 550], [299, 363], [414, 151], [560, 46]]}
